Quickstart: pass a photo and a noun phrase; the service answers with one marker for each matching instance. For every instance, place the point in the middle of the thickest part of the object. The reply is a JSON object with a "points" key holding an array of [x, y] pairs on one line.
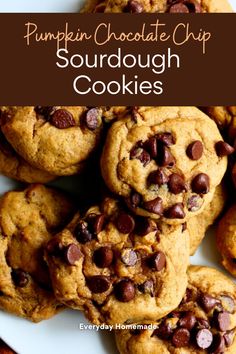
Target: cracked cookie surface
{"points": [[204, 322], [164, 162], [28, 220], [56, 139], [118, 268], [226, 240]]}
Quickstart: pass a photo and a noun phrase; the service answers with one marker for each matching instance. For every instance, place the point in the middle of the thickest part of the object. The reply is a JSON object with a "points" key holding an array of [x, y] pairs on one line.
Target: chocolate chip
{"points": [[176, 183], [204, 338], [72, 254], [98, 223], [194, 203], [143, 226], [165, 138], [218, 345], [62, 119], [223, 149], [193, 6], [228, 337], [202, 323], [129, 257], [195, 150], [184, 226], [125, 223], [45, 111], [157, 261], [19, 277], [82, 233], [55, 247], [103, 257], [125, 290], [181, 337], [207, 302], [140, 154], [151, 146], [135, 199], [178, 8], [228, 303], [147, 287], [165, 159], [134, 7], [158, 177], [221, 320], [201, 183], [98, 284], [91, 118], [164, 331], [176, 211], [188, 320], [154, 206]]}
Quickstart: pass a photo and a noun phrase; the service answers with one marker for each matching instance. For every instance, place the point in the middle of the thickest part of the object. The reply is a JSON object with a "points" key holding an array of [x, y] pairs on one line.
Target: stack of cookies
{"points": [[124, 260]]}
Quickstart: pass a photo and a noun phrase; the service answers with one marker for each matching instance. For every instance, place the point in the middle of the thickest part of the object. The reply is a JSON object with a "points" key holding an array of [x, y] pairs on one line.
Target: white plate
{"points": [[61, 334]]}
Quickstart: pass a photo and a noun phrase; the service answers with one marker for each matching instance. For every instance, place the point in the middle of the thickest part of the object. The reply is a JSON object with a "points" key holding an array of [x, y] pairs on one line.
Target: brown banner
{"points": [[117, 59]]}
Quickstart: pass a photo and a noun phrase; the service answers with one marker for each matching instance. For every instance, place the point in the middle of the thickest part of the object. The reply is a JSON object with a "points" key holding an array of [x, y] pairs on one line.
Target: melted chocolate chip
{"points": [[223, 149], [62, 119], [176, 211], [228, 337], [157, 261], [154, 206], [125, 223], [125, 290], [202, 323], [98, 223], [164, 331], [134, 7], [178, 8], [188, 320], [166, 139], [176, 183], [158, 177], [72, 254], [91, 119], [103, 257], [165, 158], [140, 154], [143, 226], [147, 287], [194, 203], [204, 338], [129, 257], [181, 337], [135, 199], [19, 277], [98, 284], [201, 183], [45, 111], [151, 146], [195, 150], [207, 302], [82, 233], [221, 320], [218, 345]]}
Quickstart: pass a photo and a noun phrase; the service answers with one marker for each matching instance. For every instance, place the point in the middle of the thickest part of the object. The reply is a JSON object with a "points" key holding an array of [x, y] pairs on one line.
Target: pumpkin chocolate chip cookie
{"points": [[55, 139], [119, 268], [14, 166], [204, 322], [28, 220], [169, 6], [226, 240], [163, 161]]}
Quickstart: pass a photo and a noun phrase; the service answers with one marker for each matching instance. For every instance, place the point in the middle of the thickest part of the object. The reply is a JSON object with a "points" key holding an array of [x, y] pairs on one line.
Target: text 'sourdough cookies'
{"points": [[204, 322], [163, 161], [55, 139], [119, 268], [28, 220]]}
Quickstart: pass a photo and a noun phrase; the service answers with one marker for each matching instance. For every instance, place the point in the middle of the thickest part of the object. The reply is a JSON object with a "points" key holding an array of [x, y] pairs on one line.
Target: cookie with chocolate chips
{"points": [[204, 322], [118, 267], [55, 139], [14, 166], [164, 164], [157, 6], [226, 240], [28, 220]]}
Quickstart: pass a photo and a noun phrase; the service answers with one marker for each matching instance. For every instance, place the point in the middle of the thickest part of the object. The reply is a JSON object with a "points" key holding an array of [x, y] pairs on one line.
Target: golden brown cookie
{"points": [[28, 220], [55, 139], [170, 6], [164, 162], [198, 225], [119, 268], [14, 166], [204, 322], [226, 240]]}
